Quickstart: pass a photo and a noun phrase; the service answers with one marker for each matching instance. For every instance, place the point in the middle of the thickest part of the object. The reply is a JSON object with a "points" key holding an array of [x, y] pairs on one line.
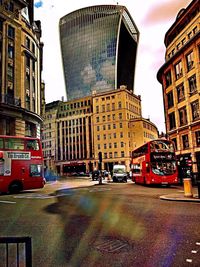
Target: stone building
{"points": [[109, 122], [180, 79], [20, 69]]}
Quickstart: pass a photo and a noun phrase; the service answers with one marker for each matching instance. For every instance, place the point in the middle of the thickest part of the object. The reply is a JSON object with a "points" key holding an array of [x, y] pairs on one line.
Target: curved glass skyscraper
{"points": [[99, 46]]}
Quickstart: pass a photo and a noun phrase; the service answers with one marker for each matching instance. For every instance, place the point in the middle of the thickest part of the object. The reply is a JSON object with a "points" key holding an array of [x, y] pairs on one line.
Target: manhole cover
{"points": [[111, 245]]}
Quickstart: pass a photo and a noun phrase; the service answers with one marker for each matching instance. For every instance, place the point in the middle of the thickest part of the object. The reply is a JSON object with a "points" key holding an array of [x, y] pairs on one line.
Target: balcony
{"points": [[10, 100]]}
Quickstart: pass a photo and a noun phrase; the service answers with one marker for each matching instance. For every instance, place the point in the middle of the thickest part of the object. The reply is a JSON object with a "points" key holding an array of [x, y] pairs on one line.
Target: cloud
{"points": [[38, 4], [165, 11], [88, 75]]}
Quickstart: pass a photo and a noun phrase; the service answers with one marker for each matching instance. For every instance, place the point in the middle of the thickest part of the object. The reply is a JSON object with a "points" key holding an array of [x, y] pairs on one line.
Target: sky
{"points": [[152, 17]]}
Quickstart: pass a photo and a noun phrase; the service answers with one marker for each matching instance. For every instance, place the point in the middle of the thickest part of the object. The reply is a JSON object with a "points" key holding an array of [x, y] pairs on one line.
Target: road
{"points": [[77, 222]]}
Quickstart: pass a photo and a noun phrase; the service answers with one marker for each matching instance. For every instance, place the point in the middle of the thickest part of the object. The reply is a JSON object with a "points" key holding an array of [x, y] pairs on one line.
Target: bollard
{"points": [[187, 187]]}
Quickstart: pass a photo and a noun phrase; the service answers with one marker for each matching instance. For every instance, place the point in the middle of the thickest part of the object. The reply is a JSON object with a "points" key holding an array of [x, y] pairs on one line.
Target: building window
{"points": [[170, 99], [109, 127], [178, 70], [121, 135], [197, 137], [110, 155], [108, 107], [122, 144], [120, 116], [99, 146], [10, 51], [115, 145], [119, 104], [113, 106], [104, 136], [122, 154], [183, 116], [98, 128], [105, 146], [115, 154], [114, 126], [97, 109], [175, 143], [120, 125], [110, 145], [172, 122], [105, 155], [104, 118], [103, 108], [185, 141], [11, 32], [10, 73], [190, 61], [180, 92], [104, 127], [195, 110], [168, 78], [27, 43], [97, 119], [192, 84]]}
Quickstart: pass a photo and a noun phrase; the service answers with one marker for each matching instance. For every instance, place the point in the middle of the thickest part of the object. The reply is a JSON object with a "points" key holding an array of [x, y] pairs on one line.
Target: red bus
{"points": [[155, 163], [21, 164]]}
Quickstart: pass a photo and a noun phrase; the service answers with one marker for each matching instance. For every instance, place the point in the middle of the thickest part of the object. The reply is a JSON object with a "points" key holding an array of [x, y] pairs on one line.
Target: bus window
{"points": [[32, 145], [14, 143], [1, 166], [1, 143], [35, 170]]}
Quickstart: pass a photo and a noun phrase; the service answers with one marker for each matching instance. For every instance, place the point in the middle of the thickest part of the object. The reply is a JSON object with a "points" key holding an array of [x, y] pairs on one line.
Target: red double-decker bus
{"points": [[155, 163], [21, 164]]}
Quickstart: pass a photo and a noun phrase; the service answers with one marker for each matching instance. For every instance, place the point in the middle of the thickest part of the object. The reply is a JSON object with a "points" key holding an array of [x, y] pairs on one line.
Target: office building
{"points": [[99, 47], [109, 122]]}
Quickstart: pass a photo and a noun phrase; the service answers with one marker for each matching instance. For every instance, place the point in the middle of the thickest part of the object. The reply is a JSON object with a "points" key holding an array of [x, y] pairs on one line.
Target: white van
{"points": [[119, 173]]}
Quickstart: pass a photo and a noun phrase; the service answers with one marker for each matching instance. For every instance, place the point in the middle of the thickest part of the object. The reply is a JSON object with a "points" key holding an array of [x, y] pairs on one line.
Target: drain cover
{"points": [[111, 245]]}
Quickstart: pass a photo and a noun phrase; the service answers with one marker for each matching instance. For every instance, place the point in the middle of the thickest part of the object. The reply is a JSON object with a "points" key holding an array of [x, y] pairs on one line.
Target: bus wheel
{"points": [[15, 187]]}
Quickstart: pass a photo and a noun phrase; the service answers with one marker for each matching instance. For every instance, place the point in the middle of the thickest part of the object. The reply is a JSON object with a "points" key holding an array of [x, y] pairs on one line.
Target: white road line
{"points": [[7, 202], [194, 251], [189, 260], [198, 243]]}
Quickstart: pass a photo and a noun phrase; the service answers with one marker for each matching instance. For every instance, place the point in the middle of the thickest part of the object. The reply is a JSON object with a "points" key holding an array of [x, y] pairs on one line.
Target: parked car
{"points": [[95, 175]]}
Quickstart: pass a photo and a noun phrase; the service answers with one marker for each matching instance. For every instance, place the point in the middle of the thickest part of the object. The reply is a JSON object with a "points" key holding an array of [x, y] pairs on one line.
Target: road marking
{"points": [[189, 260], [37, 196], [7, 202], [194, 251], [198, 243], [99, 189]]}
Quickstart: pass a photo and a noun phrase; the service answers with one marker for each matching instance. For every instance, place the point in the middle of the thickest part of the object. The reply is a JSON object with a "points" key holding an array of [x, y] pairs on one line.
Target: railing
{"points": [[15, 251], [6, 99]]}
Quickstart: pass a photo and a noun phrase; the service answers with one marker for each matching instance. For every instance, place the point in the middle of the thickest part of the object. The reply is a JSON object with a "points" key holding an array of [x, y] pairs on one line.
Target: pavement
{"points": [[181, 196]]}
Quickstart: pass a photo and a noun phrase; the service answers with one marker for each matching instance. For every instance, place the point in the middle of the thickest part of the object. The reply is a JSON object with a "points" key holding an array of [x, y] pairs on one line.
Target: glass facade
{"points": [[99, 46]]}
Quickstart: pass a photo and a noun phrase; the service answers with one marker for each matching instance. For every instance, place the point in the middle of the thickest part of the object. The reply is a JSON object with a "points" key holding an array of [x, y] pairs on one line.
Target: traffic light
{"points": [[188, 162]]}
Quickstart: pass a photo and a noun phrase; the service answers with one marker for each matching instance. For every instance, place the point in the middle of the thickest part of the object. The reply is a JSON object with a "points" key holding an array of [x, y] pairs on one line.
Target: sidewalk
{"points": [[180, 196]]}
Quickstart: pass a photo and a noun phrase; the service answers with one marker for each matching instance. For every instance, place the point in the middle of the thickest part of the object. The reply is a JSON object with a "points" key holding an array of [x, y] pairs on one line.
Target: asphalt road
{"points": [[81, 223]]}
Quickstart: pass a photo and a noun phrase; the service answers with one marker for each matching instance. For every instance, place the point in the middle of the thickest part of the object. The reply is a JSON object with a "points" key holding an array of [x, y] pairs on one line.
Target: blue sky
{"points": [[152, 17]]}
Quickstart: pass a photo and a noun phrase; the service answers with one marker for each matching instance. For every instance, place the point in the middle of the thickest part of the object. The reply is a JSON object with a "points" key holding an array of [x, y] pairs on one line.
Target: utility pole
{"points": [[100, 167]]}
